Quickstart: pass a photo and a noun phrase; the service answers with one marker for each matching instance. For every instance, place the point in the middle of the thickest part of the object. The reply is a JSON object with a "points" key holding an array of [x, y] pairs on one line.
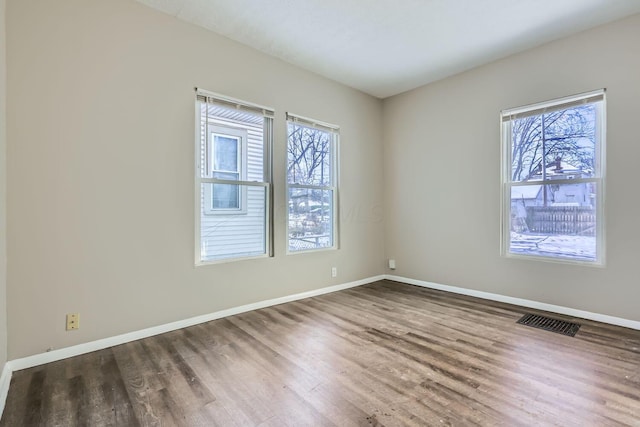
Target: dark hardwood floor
{"points": [[382, 354]]}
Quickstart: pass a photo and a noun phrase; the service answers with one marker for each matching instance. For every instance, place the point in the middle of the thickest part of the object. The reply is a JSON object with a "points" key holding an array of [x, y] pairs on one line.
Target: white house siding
{"points": [[579, 194], [240, 234], [574, 194], [526, 195]]}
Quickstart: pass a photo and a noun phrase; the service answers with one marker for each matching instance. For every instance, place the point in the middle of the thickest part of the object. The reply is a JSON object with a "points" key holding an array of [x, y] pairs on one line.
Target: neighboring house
{"points": [[526, 195], [579, 194]]}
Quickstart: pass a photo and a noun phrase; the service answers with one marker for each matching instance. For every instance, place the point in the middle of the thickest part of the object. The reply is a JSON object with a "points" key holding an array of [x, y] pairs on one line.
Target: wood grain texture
{"points": [[384, 354]]}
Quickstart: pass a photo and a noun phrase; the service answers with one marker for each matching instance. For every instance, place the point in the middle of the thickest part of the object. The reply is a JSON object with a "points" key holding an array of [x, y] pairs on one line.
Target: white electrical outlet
{"points": [[334, 271], [392, 264]]}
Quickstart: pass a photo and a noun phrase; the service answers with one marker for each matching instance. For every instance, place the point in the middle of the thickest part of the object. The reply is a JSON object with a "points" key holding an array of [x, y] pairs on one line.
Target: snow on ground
{"points": [[573, 247]]}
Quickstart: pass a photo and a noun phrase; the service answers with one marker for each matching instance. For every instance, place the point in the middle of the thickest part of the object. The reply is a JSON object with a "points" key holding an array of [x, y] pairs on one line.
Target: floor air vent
{"points": [[549, 324]]}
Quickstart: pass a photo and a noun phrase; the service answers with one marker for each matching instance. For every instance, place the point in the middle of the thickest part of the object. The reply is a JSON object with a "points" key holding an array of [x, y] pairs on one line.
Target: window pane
{"points": [[225, 156], [240, 126], [309, 156], [234, 146], [554, 221], [225, 196], [235, 236], [231, 176], [310, 219], [561, 143]]}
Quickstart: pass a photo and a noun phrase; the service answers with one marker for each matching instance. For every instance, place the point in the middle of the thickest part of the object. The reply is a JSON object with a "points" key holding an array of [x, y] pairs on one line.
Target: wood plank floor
{"points": [[382, 354]]}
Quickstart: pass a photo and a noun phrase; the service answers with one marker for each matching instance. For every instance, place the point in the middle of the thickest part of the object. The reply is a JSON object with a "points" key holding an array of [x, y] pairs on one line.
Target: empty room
{"points": [[319, 213]]}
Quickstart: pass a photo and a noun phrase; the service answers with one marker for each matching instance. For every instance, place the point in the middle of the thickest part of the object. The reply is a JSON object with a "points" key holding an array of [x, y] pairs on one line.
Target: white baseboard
{"points": [[52, 356], [63, 353], [604, 318], [5, 381]]}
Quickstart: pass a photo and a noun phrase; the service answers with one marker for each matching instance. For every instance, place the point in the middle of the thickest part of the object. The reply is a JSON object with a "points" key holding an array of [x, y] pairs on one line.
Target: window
{"points": [[312, 192], [553, 179], [226, 161], [233, 179]]}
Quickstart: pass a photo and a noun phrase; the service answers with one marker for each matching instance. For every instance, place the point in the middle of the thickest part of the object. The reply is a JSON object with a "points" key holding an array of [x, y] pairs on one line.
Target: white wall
{"points": [[101, 148], [442, 163], [3, 188]]}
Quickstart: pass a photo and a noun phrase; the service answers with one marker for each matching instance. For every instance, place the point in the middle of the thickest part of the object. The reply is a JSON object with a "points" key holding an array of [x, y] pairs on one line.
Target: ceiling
{"points": [[385, 47]]}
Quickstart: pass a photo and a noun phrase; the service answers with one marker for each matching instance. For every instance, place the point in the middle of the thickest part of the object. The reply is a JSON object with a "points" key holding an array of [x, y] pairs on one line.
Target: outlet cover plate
{"points": [[73, 321]]}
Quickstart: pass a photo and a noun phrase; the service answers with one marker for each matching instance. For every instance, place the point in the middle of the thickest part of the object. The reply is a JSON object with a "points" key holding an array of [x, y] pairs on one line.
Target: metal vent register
{"points": [[549, 324]]}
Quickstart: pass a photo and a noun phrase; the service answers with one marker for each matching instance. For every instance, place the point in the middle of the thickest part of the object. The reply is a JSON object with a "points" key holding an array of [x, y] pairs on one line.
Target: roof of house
{"points": [[525, 192]]}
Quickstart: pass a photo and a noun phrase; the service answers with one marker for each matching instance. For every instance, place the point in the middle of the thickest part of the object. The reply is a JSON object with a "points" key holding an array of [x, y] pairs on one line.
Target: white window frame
{"points": [[334, 131], [598, 97], [241, 136], [266, 183]]}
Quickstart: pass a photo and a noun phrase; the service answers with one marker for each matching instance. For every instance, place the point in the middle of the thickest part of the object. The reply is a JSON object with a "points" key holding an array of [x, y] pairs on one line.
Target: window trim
{"points": [[334, 131], [597, 97], [267, 183]]}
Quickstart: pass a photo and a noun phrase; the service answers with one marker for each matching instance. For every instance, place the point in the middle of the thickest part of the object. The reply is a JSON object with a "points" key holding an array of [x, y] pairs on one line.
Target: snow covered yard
{"points": [[554, 245]]}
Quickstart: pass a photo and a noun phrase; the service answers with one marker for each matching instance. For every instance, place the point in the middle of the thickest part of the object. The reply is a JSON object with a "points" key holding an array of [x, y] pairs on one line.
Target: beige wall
{"points": [[100, 178], [100, 196], [442, 163], [3, 193]]}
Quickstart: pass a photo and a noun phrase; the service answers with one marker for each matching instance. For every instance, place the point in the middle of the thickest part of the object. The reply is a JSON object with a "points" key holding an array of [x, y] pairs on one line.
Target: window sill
{"points": [[558, 260]]}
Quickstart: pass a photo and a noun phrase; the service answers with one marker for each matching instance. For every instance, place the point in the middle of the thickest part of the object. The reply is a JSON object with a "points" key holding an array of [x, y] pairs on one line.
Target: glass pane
{"points": [[310, 219], [221, 121], [234, 235], [556, 145], [225, 156], [554, 221], [309, 156], [225, 196], [231, 176]]}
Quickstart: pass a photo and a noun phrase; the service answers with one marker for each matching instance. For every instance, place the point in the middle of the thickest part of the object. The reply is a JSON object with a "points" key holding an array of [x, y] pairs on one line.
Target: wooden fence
{"points": [[569, 220]]}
